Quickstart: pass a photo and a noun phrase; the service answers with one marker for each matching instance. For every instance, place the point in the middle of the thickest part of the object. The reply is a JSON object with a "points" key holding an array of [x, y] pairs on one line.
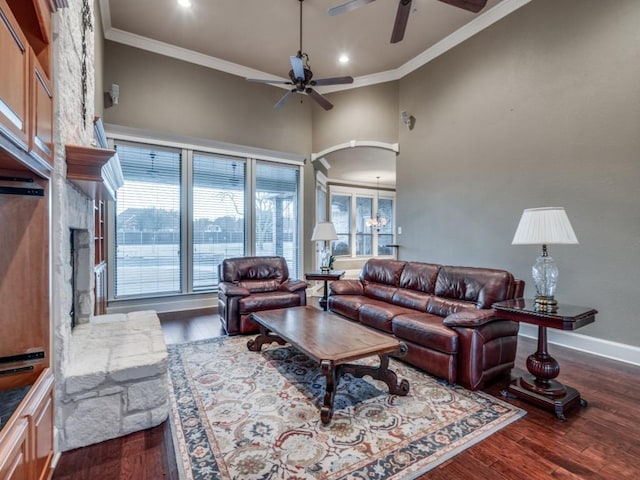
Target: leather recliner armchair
{"points": [[251, 284]]}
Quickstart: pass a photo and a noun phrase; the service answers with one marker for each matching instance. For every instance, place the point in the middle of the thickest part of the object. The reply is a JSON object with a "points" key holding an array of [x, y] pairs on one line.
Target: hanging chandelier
{"points": [[377, 222]]}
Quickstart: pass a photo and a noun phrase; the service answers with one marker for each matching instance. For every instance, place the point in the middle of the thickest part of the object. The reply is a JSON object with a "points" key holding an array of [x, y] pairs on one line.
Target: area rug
{"points": [[248, 415]]}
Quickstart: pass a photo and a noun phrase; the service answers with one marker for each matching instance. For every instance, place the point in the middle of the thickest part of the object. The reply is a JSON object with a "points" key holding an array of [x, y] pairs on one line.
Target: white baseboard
{"points": [[595, 346]]}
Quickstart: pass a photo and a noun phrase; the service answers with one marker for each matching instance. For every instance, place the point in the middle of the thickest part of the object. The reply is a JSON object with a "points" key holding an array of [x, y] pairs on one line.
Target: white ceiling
{"points": [[255, 38]]}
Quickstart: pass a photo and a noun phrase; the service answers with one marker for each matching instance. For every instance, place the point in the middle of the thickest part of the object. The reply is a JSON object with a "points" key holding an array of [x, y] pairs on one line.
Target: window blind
{"points": [[276, 212], [218, 215], [147, 223]]}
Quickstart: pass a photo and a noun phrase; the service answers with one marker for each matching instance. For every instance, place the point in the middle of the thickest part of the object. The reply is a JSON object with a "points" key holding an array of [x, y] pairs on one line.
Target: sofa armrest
{"points": [[232, 290], [293, 286], [346, 287], [470, 318]]}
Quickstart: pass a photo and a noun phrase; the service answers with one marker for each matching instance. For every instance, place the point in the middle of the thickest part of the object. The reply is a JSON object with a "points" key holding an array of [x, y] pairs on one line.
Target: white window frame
{"points": [[375, 194]]}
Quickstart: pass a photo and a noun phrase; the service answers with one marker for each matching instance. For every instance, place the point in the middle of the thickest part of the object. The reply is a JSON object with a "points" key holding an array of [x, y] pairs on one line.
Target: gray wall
{"points": [[367, 113], [98, 63], [168, 95], [541, 109]]}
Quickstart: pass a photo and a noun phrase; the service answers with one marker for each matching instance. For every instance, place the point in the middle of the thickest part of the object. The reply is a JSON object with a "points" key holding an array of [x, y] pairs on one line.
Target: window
{"points": [[181, 212], [350, 210], [218, 215], [147, 222], [364, 233], [341, 218], [276, 212]]}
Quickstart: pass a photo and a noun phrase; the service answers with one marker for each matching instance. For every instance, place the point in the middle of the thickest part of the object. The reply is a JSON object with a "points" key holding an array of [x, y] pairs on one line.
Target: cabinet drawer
{"points": [[14, 79]]}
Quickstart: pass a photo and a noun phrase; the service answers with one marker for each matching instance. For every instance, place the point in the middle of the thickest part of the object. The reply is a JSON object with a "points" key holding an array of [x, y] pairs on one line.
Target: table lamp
{"points": [[324, 232], [545, 226]]}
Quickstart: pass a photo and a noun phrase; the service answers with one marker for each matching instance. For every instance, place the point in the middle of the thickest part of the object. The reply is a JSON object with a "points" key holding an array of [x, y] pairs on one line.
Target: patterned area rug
{"points": [[244, 415]]}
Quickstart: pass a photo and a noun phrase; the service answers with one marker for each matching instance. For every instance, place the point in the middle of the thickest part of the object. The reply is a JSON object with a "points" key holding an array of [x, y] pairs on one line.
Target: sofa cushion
{"points": [[411, 299], [268, 301], [254, 268], [379, 291], [419, 276], [347, 305], [259, 286], [378, 314], [484, 286], [426, 330], [386, 272], [447, 306]]}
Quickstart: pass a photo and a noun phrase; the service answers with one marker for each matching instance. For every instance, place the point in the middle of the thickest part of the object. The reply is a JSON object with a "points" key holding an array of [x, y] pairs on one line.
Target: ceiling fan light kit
{"points": [[301, 77]]}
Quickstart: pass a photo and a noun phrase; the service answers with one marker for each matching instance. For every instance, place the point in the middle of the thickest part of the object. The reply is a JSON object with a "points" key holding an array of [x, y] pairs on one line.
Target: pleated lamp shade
{"points": [[324, 231], [544, 226]]}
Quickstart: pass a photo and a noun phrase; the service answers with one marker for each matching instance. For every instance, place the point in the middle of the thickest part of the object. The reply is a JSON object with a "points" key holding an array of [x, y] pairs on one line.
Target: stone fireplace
{"points": [[110, 370]]}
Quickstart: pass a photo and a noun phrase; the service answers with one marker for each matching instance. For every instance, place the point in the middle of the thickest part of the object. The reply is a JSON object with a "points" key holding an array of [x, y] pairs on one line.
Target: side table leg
{"points": [[325, 297]]}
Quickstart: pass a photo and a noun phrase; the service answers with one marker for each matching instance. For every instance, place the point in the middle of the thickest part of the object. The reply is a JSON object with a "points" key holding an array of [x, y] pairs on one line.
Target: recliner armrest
{"points": [[232, 290], [470, 318], [346, 287], [293, 286]]}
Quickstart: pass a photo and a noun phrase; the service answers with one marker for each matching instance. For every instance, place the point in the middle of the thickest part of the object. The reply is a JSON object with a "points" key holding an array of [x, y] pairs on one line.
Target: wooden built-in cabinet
{"points": [[26, 164], [26, 441], [100, 268], [26, 96]]}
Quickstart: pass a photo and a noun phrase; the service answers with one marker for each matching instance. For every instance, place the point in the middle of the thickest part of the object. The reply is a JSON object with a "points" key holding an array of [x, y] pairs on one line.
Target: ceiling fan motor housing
{"points": [[301, 83]]}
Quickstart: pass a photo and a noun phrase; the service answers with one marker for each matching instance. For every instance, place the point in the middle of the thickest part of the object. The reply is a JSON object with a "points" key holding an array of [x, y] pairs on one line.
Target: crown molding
{"points": [[478, 24]]}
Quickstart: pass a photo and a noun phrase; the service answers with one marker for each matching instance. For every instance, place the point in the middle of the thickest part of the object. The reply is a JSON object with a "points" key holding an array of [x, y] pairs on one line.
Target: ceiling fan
{"points": [[301, 77], [404, 8]]}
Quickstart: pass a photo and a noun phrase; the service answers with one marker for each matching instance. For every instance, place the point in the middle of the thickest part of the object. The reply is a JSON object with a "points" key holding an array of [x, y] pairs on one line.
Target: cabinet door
{"points": [[39, 411], [41, 113], [14, 79], [14, 454]]}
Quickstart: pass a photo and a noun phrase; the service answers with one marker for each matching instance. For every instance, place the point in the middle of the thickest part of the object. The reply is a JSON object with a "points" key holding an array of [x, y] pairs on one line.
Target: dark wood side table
{"points": [[331, 275], [539, 386]]}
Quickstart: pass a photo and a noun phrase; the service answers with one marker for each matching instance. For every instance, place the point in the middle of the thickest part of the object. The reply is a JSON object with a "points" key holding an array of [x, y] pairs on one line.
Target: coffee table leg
{"points": [[329, 371], [381, 373], [255, 344]]}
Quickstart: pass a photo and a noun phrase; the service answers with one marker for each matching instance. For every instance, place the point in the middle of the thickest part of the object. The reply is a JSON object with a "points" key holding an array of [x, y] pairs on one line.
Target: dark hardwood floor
{"points": [[601, 441]]}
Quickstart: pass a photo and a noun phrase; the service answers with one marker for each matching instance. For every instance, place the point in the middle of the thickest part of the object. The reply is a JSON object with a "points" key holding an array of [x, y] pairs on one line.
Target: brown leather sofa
{"points": [[251, 284], [442, 313]]}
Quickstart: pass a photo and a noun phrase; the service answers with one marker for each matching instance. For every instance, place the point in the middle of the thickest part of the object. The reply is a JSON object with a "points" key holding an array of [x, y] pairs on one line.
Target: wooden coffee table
{"points": [[332, 341]]}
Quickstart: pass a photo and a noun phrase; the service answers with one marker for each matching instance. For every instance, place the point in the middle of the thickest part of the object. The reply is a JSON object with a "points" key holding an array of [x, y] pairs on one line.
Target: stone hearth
{"points": [[116, 380]]}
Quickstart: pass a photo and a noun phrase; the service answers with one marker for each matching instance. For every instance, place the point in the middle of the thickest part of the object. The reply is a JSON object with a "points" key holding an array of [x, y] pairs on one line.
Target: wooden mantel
{"points": [[87, 169]]}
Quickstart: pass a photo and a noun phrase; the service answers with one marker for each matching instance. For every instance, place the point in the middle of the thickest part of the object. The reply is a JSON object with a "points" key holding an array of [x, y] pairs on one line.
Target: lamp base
{"points": [[546, 303]]}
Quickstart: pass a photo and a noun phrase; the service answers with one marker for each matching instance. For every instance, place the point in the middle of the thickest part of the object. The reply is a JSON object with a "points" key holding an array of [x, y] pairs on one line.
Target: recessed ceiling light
{"points": [[343, 58], [184, 3]]}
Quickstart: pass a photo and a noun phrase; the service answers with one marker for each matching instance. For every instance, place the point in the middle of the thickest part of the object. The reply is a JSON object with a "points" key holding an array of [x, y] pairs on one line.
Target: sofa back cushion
{"points": [[419, 276], [481, 286], [257, 274], [413, 299], [386, 272], [380, 278]]}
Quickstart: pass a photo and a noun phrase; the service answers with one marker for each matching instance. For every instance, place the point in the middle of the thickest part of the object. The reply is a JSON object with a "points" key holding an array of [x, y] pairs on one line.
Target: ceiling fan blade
{"points": [[331, 81], [323, 102], [348, 6], [471, 5], [284, 98], [400, 24], [264, 80], [298, 67]]}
